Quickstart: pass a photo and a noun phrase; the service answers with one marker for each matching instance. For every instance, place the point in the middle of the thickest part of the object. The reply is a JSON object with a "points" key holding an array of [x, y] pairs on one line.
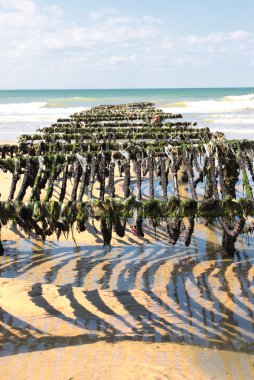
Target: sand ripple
{"points": [[143, 294]]}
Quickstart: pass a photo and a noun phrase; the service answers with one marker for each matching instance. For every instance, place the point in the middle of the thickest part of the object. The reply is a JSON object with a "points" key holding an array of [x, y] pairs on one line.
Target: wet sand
{"points": [[126, 312], [139, 309]]}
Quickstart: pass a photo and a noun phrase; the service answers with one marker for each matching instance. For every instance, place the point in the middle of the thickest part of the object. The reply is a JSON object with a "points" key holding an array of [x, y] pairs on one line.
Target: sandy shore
{"points": [[141, 309], [128, 360], [128, 312]]}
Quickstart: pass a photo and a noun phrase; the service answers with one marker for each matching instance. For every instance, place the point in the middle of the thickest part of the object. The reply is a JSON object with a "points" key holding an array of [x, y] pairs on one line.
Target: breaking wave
{"points": [[224, 104], [35, 111]]}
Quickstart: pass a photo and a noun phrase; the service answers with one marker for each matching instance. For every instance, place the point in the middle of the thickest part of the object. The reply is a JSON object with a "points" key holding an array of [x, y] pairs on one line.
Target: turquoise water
{"points": [[89, 98], [230, 110]]}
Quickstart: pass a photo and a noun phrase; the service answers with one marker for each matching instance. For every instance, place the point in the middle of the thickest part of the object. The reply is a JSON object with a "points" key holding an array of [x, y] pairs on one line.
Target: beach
{"points": [[95, 313], [73, 309], [229, 110]]}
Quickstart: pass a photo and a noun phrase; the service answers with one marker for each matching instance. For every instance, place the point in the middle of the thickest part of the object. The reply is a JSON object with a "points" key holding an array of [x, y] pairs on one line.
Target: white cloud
{"points": [[34, 30], [23, 18], [95, 16], [121, 20], [152, 20], [54, 10], [215, 38], [27, 6], [105, 40], [114, 60]]}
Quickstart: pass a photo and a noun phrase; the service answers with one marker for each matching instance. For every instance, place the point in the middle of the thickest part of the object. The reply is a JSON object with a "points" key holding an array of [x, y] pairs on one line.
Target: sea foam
{"points": [[224, 104], [34, 111]]}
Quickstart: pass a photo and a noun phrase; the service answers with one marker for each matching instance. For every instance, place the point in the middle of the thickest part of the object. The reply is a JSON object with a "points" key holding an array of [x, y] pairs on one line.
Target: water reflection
{"points": [[63, 296]]}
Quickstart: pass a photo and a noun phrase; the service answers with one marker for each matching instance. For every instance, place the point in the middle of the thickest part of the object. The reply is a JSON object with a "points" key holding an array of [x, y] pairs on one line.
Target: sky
{"points": [[126, 44]]}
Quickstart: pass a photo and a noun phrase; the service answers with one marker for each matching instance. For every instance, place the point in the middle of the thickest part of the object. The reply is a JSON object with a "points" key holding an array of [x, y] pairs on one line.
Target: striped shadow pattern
{"points": [[63, 296]]}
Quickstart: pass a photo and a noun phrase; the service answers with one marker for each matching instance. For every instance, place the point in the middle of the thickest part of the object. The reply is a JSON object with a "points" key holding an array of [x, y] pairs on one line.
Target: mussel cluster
{"points": [[107, 155]]}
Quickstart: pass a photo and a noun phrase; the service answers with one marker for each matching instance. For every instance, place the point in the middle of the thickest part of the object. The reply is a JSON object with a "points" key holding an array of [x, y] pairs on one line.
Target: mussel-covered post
{"points": [[151, 176], [127, 179], [138, 171]]}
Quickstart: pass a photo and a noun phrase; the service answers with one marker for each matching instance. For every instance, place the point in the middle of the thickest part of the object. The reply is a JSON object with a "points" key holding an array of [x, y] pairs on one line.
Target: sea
{"points": [[230, 110]]}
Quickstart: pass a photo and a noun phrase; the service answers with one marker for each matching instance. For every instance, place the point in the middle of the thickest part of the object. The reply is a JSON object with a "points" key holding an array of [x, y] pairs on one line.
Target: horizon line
{"points": [[125, 88]]}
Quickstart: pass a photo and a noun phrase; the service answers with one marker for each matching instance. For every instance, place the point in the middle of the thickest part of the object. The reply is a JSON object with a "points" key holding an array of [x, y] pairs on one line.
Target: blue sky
{"points": [[126, 44]]}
